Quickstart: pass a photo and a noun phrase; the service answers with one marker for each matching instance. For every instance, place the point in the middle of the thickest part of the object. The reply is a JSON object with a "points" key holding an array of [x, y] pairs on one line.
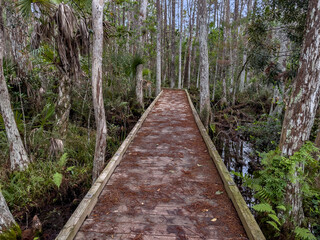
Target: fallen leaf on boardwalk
{"points": [[219, 192], [205, 210], [199, 165], [213, 219]]}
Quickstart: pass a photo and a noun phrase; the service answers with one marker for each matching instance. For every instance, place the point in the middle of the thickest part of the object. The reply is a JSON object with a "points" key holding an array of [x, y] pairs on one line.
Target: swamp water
{"points": [[238, 156]]}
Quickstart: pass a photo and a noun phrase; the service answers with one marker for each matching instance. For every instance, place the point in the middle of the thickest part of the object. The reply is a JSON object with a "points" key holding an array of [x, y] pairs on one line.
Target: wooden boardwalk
{"points": [[166, 185]]}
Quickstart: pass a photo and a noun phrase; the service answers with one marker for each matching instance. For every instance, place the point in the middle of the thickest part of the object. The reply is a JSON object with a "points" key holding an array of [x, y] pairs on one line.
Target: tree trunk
{"points": [[139, 79], [6, 218], [180, 45], [224, 58], [18, 32], [303, 103], [158, 70], [204, 63], [173, 45], [97, 86], [18, 156], [63, 105]]}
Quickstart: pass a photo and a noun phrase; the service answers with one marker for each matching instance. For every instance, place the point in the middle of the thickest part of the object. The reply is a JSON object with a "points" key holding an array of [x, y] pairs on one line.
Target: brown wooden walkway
{"points": [[166, 186]]}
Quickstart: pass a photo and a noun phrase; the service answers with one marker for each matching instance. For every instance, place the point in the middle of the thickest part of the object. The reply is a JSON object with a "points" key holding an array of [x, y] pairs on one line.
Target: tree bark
{"points": [[173, 45], [180, 45], [303, 103], [18, 156], [6, 218], [159, 26], [97, 86], [18, 32], [204, 63], [139, 77]]}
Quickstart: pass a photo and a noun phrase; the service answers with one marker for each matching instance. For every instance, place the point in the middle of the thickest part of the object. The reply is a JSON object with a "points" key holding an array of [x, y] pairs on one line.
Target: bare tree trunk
{"points": [[224, 57], [68, 51], [187, 69], [173, 45], [158, 70], [97, 86], [139, 78], [302, 107], [165, 46], [63, 105], [282, 58], [180, 45], [243, 73], [18, 156], [204, 63], [6, 218], [18, 32]]}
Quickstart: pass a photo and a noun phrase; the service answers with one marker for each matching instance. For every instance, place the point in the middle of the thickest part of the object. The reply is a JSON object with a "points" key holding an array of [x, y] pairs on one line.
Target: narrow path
{"points": [[166, 186]]}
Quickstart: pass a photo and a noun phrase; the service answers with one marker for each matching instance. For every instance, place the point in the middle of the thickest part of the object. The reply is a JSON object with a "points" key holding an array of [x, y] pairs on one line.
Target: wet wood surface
{"points": [[166, 186]]}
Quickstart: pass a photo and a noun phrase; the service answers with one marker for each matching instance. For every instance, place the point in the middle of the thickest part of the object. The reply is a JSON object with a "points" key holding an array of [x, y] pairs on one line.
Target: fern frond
{"points": [[304, 234], [263, 208]]}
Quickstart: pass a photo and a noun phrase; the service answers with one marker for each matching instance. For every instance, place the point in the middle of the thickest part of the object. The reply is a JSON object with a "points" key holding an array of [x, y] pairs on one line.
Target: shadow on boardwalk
{"points": [[166, 186]]}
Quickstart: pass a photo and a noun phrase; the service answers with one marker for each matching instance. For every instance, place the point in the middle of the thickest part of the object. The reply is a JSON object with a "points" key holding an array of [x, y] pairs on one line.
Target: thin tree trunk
{"points": [[6, 218], [18, 156], [224, 57], [173, 45], [97, 86], [204, 63], [158, 70], [139, 77], [180, 45], [63, 105], [18, 32], [302, 107]]}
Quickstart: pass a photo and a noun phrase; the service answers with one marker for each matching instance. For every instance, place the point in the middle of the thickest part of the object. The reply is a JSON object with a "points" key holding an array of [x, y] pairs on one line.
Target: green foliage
{"points": [[63, 160], [304, 234], [270, 185], [137, 60], [263, 207], [25, 6], [57, 179], [39, 183], [264, 134]]}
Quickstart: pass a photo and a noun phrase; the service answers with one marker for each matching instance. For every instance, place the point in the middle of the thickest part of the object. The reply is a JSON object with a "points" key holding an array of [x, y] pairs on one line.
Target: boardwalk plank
{"points": [[165, 187]]}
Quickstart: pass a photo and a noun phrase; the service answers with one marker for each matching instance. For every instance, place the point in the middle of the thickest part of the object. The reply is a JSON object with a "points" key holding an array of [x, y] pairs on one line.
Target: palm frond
{"points": [[27, 7]]}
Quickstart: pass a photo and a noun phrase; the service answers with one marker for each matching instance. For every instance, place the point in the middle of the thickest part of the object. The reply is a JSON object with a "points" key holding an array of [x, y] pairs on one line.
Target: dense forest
{"points": [[76, 75]]}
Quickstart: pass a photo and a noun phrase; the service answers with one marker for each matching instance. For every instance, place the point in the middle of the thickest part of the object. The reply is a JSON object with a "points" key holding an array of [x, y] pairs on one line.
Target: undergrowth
{"points": [[270, 183]]}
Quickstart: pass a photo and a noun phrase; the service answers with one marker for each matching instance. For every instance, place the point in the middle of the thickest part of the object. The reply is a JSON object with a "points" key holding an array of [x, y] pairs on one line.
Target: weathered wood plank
{"points": [[87, 204], [251, 227]]}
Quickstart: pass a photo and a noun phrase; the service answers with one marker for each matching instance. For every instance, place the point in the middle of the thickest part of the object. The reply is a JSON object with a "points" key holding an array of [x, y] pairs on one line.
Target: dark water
{"points": [[238, 156]]}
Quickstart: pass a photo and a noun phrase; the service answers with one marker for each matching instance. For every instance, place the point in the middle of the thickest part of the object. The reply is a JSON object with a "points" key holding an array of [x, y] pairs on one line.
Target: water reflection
{"points": [[239, 156]]}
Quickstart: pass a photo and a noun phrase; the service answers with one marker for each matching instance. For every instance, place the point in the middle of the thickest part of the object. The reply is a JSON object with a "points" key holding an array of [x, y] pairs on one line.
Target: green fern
{"points": [[274, 218], [263, 208], [57, 179], [63, 160], [274, 225], [304, 234]]}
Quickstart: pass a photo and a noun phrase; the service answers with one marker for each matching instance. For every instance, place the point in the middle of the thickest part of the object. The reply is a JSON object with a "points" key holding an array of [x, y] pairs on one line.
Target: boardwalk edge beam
{"points": [[85, 207], [247, 219]]}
